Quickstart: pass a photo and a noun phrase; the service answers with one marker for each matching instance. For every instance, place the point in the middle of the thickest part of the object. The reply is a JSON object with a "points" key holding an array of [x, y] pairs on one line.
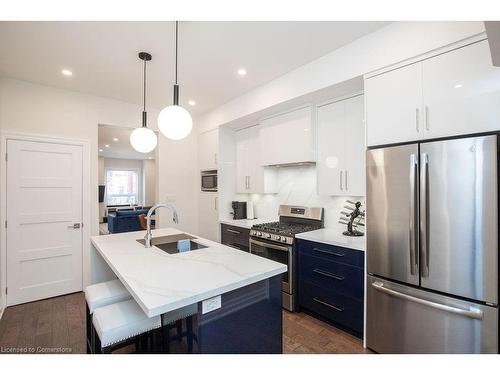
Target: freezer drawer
{"points": [[403, 319]]}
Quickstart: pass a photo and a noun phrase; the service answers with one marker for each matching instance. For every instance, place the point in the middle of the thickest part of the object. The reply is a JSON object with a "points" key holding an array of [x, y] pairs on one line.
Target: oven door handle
{"points": [[269, 245]]}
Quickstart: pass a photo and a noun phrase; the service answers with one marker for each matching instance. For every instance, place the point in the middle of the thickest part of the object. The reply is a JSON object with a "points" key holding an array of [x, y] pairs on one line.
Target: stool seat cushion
{"points": [[122, 320], [106, 293]]}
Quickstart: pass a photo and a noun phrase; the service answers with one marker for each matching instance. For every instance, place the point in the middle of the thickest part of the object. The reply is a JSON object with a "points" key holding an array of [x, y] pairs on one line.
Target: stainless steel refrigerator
{"points": [[432, 247]]}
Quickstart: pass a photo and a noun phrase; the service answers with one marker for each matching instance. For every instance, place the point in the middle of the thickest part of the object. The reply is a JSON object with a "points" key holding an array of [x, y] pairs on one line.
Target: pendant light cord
{"points": [[176, 51], [144, 86]]}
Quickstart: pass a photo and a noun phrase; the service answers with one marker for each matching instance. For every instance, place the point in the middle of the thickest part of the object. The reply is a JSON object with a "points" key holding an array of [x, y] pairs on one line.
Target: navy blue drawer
{"points": [[339, 277], [336, 308], [333, 253]]}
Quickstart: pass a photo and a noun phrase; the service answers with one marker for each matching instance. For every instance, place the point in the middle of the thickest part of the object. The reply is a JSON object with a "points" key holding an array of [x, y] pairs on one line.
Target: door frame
{"points": [[86, 201]]}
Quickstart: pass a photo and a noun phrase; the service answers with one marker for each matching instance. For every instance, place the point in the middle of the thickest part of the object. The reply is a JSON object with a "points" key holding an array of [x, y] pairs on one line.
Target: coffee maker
{"points": [[239, 210]]}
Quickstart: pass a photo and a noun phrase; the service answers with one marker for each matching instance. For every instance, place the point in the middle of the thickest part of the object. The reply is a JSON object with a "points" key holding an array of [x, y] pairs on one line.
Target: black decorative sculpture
{"points": [[350, 225]]}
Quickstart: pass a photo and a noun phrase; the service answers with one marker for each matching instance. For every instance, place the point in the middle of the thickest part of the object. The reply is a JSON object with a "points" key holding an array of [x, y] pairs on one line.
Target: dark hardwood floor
{"points": [[57, 325]]}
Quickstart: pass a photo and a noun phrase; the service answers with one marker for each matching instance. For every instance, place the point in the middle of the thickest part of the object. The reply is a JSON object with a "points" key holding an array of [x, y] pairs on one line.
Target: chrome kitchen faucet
{"points": [[149, 236]]}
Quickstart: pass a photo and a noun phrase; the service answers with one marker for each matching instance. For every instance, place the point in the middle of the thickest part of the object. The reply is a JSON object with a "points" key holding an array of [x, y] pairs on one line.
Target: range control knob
{"points": [[258, 234], [283, 239], [268, 235]]}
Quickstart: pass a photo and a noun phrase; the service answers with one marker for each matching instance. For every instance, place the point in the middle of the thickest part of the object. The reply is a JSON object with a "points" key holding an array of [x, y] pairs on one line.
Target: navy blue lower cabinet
{"points": [[331, 284], [248, 322]]}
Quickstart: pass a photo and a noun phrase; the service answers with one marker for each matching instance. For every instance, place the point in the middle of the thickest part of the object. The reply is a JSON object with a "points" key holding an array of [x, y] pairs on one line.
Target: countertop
{"points": [[247, 223], [334, 237], [162, 282]]}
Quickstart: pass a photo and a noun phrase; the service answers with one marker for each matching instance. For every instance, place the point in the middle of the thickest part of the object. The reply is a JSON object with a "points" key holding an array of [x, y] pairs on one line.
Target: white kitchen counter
{"points": [[334, 237], [162, 282], [247, 223]]}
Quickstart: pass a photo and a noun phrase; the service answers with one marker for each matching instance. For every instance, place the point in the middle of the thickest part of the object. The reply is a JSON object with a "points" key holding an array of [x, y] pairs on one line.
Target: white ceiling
{"points": [[103, 55], [120, 149]]}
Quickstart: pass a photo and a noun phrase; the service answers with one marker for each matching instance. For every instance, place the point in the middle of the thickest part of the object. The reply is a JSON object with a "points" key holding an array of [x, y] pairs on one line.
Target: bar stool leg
{"points": [[166, 338]]}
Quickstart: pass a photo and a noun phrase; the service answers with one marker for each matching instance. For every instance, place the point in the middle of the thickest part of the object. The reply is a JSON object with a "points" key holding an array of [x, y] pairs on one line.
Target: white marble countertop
{"points": [[247, 223], [162, 282], [334, 237]]}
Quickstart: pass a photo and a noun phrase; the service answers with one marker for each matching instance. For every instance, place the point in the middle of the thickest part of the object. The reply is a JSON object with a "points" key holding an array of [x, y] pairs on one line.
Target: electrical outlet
{"points": [[211, 304]]}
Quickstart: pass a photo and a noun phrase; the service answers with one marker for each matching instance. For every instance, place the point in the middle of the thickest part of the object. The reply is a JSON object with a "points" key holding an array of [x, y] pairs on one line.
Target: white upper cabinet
{"points": [[394, 106], [461, 91], [251, 176], [288, 138], [455, 93], [208, 146], [341, 148]]}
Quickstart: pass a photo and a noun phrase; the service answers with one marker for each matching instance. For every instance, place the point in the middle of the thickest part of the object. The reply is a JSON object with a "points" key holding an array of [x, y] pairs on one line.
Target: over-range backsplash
{"points": [[297, 186]]}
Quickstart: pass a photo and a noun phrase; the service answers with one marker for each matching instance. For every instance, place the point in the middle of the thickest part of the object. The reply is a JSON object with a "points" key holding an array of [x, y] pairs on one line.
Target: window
{"points": [[122, 187]]}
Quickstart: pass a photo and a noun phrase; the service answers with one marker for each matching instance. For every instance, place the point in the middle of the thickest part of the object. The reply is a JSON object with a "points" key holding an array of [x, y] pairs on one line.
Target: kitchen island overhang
{"points": [[248, 289]]}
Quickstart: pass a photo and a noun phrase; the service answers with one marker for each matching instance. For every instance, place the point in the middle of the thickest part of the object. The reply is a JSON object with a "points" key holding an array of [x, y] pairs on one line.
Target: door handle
{"points": [[473, 313], [417, 119], [74, 226], [328, 304], [426, 118], [328, 274], [413, 227], [424, 214]]}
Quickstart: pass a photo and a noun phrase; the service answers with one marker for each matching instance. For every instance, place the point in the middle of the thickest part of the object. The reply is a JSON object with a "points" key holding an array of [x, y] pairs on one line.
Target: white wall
{"points": [[179, 181], [149, 173], [41, 110], [394, 43]]}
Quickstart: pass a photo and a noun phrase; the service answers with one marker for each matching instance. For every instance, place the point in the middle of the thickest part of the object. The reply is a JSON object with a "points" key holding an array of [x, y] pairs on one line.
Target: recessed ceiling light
{"points": [[242, 72], [100, 150], [106, 146], [67, 72], [458, 85], [115, 139], [150, 157], [192, 102]]}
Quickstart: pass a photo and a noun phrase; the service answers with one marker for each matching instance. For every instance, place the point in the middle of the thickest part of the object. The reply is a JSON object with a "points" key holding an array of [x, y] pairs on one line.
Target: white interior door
{"points": [[44, 219]]}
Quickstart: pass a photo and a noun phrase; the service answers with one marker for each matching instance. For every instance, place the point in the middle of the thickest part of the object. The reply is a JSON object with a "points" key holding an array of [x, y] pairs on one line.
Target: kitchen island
{"points": [[233, 298]]}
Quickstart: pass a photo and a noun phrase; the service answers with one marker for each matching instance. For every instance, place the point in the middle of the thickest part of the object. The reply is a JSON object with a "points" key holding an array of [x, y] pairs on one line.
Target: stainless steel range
{"points": [[276, 241]]}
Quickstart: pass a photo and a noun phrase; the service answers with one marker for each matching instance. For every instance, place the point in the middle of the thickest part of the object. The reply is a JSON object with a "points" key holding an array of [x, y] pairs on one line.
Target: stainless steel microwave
{"points": [[209, 181]]}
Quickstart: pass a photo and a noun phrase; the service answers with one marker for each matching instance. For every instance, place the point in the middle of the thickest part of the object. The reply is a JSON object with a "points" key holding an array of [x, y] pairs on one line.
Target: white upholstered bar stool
{"points": [[99, 295], [121, 324]]}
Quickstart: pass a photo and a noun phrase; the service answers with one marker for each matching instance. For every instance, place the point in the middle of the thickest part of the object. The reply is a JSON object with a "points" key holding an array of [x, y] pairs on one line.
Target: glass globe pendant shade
{"points": [[175, 122], [143, 140]]}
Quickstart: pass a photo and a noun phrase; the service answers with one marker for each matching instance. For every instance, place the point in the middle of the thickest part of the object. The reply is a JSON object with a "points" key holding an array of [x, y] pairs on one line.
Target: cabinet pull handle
{"points": [[233, 231], [341, 180], [215, 158], [328, 304], [249, 183], [328, 274], [426, 118], [215, 203], [417, 119], [334, 253], [346, 187]]}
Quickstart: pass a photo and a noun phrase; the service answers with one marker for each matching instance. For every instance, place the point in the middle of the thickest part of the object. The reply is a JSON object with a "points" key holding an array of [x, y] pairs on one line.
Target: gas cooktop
{"points": [[285, 228]]}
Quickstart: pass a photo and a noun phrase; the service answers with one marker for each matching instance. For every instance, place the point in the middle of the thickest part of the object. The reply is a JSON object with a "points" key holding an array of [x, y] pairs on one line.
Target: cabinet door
{"points": [[331, 119], [208, 144], [288, 138], [354, 141], [208, 222], [461, 92], [394, 106], [243, 144]]}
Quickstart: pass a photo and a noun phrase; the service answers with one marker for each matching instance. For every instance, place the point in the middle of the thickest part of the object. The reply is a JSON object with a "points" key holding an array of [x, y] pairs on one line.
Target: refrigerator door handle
{"points": [[413, 227], [472, 312], [424, 214]]}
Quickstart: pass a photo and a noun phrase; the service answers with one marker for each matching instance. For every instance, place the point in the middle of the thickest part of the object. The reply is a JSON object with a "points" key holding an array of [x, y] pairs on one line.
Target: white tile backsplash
{"points": [[297, 186]]}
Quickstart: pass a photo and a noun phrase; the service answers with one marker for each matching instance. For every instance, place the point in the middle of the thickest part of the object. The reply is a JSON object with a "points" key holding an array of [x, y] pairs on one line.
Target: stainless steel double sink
{"points": [[175, 243]]}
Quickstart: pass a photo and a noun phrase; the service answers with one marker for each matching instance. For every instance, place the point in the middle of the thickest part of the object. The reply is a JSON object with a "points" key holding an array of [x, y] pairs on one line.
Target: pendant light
{"points": [[174, 121], [144, 139]]}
